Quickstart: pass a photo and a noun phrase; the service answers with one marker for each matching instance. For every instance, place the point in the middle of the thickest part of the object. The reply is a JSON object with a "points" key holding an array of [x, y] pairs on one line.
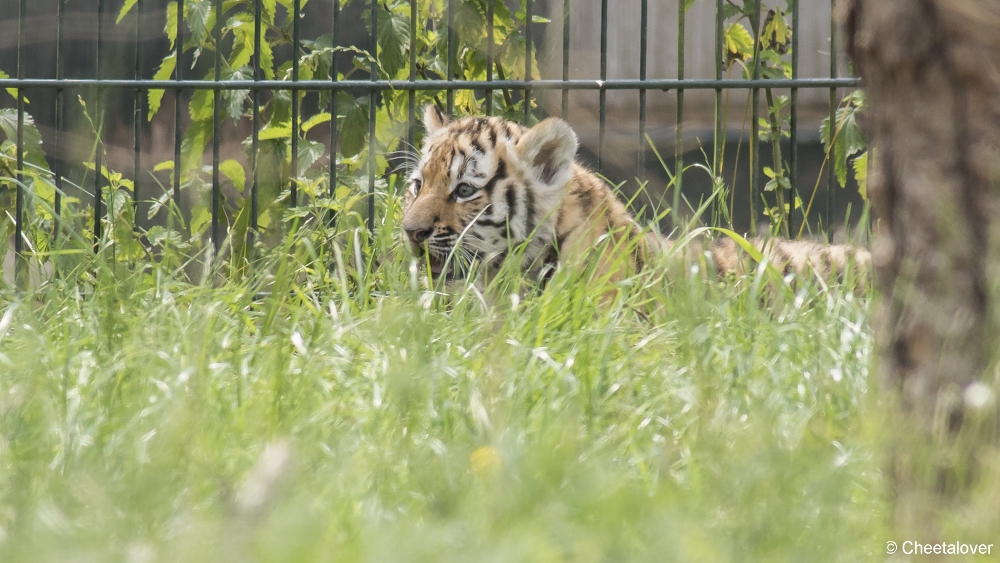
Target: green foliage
{"points": [[37, 185], [860, 165], [769, 57], [847, 140], [185, 234], [738, 42], [11, 91], [762, 49], [315, 59]]}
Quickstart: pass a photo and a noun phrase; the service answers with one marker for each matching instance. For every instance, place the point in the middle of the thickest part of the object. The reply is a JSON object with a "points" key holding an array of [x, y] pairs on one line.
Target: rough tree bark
{"points": [[931, 70]]}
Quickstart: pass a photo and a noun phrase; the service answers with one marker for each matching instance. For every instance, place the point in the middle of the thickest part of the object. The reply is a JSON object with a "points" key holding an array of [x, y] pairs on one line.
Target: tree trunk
{"points": [[931, 70]]}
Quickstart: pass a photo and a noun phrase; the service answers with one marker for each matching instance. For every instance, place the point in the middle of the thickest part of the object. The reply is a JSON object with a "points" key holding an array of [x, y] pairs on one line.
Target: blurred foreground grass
{"points": [[146, 418]]}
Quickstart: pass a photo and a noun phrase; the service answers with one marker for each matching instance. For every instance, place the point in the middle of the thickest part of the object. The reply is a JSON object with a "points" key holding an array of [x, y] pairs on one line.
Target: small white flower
{"points": [[978, 395], [298, 343]]}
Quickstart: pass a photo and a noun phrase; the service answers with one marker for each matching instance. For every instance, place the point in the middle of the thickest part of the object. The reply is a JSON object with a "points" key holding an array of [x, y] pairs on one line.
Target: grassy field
{"points": [[354, 416]]}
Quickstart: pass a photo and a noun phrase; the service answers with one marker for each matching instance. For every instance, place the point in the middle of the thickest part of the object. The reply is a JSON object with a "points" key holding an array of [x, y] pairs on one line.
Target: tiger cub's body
{"points": [[484, 186]]}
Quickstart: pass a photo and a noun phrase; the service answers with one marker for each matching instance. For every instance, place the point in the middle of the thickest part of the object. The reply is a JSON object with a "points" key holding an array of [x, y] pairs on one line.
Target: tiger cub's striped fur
{"points": [[483, 186]]}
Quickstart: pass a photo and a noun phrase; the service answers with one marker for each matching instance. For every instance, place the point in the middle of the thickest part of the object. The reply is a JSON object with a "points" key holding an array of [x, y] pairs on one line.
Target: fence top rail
{"points": [[384, 85]]}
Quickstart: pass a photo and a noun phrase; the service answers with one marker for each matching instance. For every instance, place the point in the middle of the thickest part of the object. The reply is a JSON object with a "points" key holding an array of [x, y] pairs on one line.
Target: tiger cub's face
{"points": [[483, 186]]}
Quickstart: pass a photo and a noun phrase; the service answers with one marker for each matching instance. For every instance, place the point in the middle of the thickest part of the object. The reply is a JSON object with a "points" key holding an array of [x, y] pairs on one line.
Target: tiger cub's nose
{"points": [[418, 235]]}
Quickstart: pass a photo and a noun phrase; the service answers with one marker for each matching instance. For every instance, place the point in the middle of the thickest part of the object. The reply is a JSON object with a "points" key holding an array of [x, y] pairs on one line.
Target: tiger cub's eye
{"points": [[416, 185], [465, 191]]}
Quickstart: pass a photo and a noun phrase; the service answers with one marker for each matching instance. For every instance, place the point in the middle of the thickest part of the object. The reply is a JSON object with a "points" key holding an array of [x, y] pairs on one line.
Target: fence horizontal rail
{"points": [[405, 85]]}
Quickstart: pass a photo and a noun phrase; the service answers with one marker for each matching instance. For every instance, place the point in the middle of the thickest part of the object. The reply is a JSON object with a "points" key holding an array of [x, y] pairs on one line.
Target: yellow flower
{"points": [[484, 461]]}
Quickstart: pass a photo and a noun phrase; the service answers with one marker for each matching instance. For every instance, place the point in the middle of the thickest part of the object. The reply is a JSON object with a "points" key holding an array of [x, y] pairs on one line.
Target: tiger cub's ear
{"points": [[434, 120], [549, 149]]}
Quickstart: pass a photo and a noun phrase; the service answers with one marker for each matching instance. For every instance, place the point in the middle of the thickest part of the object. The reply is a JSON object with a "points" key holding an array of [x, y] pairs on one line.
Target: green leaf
{"points": [[233, 170], [393, 41], [319, 56], [202, 105], [279, 109], [198, 13], [159, 236], [512, 57], [126, 8], [242, 27], [165, 71], [269, 9], [354, 127], [309, 153], [266, 55], [200, 219], [738, 42], [780, 103], [315, 120], [32, 138], [772, 66], [860, 165], [235, 100], [776, 30], [11, 91], [847, 139], [730, 11], [170, 29], [276, 131], [196, 138]]}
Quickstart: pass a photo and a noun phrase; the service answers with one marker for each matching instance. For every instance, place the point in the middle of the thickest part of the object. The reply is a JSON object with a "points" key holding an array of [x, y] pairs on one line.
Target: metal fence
{"points": [[377, 84]]}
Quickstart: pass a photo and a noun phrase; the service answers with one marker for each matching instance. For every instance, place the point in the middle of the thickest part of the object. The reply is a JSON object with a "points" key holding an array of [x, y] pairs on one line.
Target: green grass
{"points": [[351, 417]]}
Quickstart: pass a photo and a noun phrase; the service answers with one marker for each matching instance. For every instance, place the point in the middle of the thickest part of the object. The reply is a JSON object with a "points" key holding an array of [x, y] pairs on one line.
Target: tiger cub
{"points": [[484, 186]]}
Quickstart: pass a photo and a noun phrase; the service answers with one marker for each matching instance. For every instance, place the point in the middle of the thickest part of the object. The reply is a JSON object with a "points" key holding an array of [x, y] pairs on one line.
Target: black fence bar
{"points": [[718, 141], [137, 118], [98, 147], [22, 15], [365, 86], [293, 195], [527, 61], [793, 124], [255, 134], [643, 46], [603, 91], [411, 108], [450, 104], [60, 117], [831, 180], [754, 120], [565, 57], [178, 108], [333, 83], [372, 115], [490, 40], [217, 133], [19, 191], [679, 127]]}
